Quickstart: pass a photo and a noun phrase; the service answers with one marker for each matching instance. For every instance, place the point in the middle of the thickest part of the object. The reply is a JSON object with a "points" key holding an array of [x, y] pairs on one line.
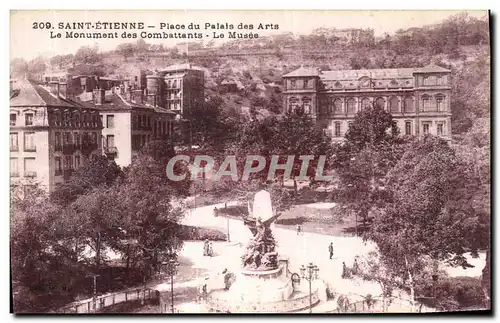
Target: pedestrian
{"points": [[216, 212], [205, 248], [210, 249], [355, 266], [344, 270], [330, 249], [299, 229]]}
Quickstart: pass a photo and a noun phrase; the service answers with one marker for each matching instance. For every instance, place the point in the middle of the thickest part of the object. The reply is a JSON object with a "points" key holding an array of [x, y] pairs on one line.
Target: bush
{"points": [[195, 233], [454, 293]]}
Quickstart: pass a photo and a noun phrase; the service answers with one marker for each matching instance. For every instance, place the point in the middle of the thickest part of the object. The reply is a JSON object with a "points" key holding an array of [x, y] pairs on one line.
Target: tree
{"points": [[42, 261], [371, 149], [87, 55], [36, 67], [298, 135], [421, 222], [126, 50], [148, 214], [18, 68], [98, 171], [162, 151]]}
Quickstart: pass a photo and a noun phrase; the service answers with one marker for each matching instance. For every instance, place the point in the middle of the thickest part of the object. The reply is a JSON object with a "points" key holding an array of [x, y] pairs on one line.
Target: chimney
{"points": [[137, 96], [122, 89], [54, 87], [63, 90], [99, 96]]}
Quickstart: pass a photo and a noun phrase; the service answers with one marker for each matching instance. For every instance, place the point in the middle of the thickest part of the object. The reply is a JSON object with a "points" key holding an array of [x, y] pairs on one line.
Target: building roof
{"points": [[28, 93], [431, 68], [180, 67], [116, 102], [371, 73], [303, 71], [389, 73]]}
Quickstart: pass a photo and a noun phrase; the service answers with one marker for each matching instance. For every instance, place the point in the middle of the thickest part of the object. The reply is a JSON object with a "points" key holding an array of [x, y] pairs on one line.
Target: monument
{"points": [[264, 283]]}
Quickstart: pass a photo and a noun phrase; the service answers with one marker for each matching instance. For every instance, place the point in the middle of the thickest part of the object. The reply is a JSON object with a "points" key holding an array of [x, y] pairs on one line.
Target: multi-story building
{"points": [[50, 136], [129, 122], [176, 88], [417, 98]]}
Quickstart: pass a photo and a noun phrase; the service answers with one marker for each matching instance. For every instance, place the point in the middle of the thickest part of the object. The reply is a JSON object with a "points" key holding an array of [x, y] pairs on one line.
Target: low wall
{"points": [[293, 304], [103, 301]]}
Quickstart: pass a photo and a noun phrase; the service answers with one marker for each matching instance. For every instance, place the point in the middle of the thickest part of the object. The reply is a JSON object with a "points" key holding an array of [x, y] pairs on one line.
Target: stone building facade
{"points": [[50, 135], [417, 98]]}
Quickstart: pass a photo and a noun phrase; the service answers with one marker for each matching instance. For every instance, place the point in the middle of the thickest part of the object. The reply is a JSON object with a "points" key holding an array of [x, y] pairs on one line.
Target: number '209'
{"points": [[42, 25]]}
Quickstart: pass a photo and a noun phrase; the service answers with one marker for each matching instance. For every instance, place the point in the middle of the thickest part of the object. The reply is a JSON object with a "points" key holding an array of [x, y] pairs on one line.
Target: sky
{"points": [[28, 43]]}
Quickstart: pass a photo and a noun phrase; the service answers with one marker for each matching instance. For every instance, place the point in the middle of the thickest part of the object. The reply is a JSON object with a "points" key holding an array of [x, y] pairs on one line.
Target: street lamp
{"points": [[170, 267], [309, 273]]}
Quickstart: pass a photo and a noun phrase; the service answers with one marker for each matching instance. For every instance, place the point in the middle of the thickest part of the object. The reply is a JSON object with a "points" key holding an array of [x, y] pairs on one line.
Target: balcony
{"points": [[68, 149], [28, 173], [110, 151], [67, 174], [88, 147]]}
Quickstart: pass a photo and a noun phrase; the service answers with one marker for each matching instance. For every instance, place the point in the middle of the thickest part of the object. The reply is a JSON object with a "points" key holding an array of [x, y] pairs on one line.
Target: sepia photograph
{"points": [[250, 161]]}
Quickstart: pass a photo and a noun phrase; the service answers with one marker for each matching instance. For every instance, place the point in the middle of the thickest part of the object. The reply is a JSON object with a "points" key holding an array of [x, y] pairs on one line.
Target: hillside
{"points": [[460, 43]]}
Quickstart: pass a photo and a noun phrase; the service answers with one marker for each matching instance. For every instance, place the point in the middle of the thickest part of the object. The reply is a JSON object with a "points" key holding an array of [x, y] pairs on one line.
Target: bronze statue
{"points": [[260, 253]]}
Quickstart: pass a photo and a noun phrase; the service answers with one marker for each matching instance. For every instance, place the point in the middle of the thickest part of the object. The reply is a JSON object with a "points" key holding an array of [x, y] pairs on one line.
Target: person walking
{"points": [[344, 270], [330, 249], [210, 249], [216, 212], [299, 229]]}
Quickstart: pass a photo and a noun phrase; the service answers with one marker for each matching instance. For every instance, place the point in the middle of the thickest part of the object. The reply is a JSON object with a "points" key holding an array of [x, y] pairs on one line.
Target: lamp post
{"points": [[228, 237], [309, 273], [171, 269]]}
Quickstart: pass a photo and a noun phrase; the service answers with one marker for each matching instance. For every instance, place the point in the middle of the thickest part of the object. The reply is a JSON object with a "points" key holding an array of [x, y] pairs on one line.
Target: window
{"points": [[76, 138], [426, 103], [337, 106], [394, 104], [77, 162], [351, 106], [174, 85], [14, 144], [426, 127], [94, 138], [67, 138], [29, 141], [13, 119], [293, 84], [57, 136], [307, 104], [110, 141], [440, 80], [440, 102], [77, 120], [110, 121], [294, 102], [440, 128], [68, 162], [380, 102], [408, 128], [365, 103], [29, 167], [337, 129], [14, 167], [408, 104], [28, 119], [58, 166]]}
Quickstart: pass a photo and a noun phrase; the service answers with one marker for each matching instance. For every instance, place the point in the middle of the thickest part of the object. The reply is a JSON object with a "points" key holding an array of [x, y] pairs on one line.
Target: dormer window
{"points": [[28, 119], [338, 84]]}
